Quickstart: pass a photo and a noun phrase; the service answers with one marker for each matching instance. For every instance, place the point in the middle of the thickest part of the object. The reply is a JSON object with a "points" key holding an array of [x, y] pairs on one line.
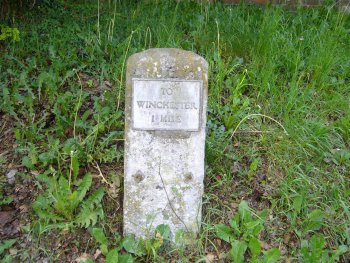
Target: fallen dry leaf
{"points": [[23, 208], [97, 254], [265, 246], [217, 242], [13, 251], [222, 255], [209, 258], [83, 257], [108, 84], [286, 239], [5, 217], [75, 249], [35, 173], [234, 205]]}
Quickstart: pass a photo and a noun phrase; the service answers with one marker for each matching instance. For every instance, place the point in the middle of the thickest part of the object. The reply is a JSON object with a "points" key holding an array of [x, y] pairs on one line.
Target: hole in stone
{"points": [[188, 177], [138, 177]]}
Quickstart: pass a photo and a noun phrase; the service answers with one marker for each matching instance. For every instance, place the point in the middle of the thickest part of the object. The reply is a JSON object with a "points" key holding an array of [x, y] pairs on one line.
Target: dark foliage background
{"points": [[13, 8]]}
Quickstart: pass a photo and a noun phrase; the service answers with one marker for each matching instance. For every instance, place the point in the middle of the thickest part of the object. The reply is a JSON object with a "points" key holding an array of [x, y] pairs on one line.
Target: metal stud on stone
{"points": [[165, 110]]}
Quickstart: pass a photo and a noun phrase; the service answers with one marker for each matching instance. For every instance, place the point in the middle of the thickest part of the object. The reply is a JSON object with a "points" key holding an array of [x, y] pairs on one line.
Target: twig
{"points": [[70, 168], [3, 126], [122, 73], [246, 131], [101, 175], [4, 153], [254, 115], [106, 182], [167, 196], [78, 105], [34, 2], [98, 22]]}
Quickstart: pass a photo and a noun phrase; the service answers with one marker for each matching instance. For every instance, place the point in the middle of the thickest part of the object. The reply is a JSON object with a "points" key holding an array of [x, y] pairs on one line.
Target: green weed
{"points": [[137, 247], [112, 255], [314, 251], [6, 244], [9, 33], [63, 85], [61, 206], [243, 234]]}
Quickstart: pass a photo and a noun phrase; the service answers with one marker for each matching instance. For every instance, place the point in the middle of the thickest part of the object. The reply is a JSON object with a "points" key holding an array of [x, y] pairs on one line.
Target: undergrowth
{"points": [[285, 73]]}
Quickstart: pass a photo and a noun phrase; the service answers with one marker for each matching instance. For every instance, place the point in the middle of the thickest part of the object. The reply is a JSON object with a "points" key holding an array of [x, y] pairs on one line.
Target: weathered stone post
{"points": [[165, 110]]}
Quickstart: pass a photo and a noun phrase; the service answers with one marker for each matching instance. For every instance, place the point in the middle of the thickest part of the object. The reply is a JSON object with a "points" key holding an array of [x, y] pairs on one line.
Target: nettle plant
{"points": [[9, 33], [127, 249], [111, 250], [243, 235], [314, 250], [64, 203], [313, 245], [150, 248]]}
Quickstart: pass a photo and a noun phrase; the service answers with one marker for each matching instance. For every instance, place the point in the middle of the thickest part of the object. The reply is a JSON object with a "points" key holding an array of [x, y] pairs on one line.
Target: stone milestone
{"points": [[165, 111]]}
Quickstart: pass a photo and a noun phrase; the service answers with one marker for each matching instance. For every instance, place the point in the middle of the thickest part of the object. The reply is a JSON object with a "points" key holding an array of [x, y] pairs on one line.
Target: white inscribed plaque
{"points": [[166, 104]]}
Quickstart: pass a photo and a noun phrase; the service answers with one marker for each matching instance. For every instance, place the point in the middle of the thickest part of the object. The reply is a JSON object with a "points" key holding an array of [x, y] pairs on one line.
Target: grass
{"points": [[270, 69]]}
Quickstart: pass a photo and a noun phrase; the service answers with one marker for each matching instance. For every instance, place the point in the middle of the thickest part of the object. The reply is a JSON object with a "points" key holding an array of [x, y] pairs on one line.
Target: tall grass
{"points": [[292, 66]]}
